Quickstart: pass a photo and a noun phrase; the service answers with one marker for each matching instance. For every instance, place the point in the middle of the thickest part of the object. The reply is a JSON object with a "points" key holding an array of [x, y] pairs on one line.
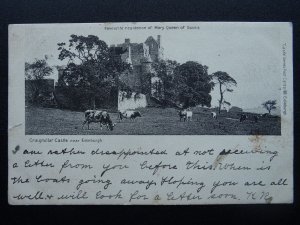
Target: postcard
{"points": [[162, 113]]}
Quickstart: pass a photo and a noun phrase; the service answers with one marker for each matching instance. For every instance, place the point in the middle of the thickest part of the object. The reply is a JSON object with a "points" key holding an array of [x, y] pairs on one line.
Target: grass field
{"points": [[154, 121]]}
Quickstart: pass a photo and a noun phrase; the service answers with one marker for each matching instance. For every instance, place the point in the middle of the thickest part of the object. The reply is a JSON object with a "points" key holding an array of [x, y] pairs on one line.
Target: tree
{"points": [[37, 70], [165, 70], [146, 83], [35, 74], [269, 105], [92, 69], [192, 84], [225, 83]]}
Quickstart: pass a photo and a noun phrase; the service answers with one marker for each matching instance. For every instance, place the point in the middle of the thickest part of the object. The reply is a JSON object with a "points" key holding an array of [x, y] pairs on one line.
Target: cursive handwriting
{"points": [[241, 152], [218, 183], [182, 196], [182, 181], [94, 180], [37, 163], [109, 167], [74, 196], [125, 153], [148, 183], [67, 164], [157, 166], [145, 176], [118, 195], [65, 151], [62, 180]]}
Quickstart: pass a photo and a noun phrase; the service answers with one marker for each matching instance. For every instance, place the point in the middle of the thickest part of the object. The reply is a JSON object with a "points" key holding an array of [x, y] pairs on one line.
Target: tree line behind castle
{"points": [[97, 76]]}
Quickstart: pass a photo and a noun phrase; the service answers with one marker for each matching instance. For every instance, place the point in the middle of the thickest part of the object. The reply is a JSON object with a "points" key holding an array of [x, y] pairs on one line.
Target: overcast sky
{"points": [[250, 53]]}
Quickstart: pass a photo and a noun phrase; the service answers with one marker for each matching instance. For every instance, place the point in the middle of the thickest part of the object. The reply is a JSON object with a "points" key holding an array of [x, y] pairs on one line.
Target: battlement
{"points": [[140, 56], [137, 52]]}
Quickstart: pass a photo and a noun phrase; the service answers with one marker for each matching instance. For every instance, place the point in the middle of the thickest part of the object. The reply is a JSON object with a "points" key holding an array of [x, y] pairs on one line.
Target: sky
{"points": [[249, 52]]}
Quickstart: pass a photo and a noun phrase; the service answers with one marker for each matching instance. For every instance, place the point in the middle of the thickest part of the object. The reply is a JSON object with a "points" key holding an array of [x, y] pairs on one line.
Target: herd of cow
{"points": [[104, 119], [186, 115]]}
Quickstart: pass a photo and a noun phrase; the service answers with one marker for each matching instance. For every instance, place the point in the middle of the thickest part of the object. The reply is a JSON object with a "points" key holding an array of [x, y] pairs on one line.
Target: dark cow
{"points": [[106, 120], [185, 115], [129, 114], [97, 116], [243, 117], [182, 115]]}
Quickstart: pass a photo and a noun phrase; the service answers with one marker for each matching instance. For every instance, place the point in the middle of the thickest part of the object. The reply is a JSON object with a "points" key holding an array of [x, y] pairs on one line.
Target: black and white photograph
{"points": [[150, 113], [153, 79]]}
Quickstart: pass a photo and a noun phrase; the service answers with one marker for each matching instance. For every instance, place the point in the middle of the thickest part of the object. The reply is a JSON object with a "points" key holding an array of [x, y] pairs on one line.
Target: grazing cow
{"points": [[214, 115], [243, 117], [97, 116], [91, 116], [106, 120], [182, 115], [185, 115], [129, 114], [189, 115]]}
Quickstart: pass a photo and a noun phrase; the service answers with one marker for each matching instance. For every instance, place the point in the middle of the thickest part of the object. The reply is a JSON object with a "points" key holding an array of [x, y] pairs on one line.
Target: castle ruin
{"points": [[141, 57]]}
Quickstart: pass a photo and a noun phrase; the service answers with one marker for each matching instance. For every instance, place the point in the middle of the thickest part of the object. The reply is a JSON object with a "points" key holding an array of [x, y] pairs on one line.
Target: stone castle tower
{"points": [[140, 56]]}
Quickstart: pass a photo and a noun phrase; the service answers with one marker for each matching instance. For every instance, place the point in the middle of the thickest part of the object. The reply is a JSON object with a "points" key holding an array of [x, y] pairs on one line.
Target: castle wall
{"points": [[132, 102], [136, 52]]}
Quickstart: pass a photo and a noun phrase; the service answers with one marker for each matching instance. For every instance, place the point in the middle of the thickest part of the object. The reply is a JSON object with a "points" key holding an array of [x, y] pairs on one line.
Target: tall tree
{"points": [[36, 73], [91, 68], [193, 84], [225, 83], [37, 70], [165, 70], [269, 105]]}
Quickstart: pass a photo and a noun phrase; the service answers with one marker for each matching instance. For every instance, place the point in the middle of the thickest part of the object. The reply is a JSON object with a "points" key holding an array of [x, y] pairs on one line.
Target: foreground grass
{"points": [[154, 121]]}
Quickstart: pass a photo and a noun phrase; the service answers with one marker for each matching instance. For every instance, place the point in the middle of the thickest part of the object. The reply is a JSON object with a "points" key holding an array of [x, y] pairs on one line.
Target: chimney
{"points": [[127, 41], [158, 40]]}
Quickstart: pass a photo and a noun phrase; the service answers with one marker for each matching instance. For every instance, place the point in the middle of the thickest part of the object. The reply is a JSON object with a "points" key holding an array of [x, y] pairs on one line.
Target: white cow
{"points": [[214, 115], [97, 116], [185, 115], [189, 115], [129, 114]]}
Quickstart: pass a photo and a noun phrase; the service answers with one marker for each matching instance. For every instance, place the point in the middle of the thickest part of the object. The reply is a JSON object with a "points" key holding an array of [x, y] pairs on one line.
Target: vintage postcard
{"points": [[150, 113]]}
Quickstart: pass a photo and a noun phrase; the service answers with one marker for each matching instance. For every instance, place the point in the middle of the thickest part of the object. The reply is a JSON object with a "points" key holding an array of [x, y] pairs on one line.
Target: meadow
{"points": [[154, 121]]}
